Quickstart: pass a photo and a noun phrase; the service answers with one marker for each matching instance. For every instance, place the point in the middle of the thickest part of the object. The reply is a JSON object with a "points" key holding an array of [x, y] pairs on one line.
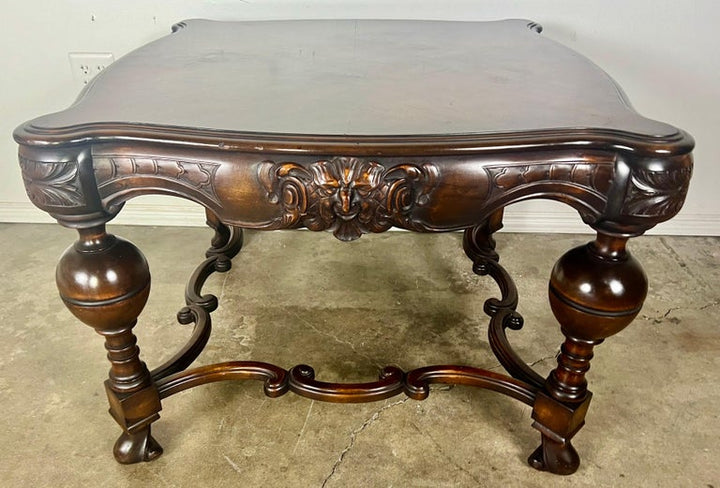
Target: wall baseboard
{"points": [[190, 215], [181, 215], [566, 221]]}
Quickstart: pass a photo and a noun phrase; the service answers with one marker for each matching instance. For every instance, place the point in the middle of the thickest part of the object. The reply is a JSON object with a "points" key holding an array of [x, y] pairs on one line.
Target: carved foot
{"points": [[555, 457], [137, 447]]}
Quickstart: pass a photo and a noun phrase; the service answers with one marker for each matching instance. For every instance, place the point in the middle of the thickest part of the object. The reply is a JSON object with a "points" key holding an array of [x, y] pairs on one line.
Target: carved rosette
{"points": [[350, 196], [52, 184], [657, 193]]}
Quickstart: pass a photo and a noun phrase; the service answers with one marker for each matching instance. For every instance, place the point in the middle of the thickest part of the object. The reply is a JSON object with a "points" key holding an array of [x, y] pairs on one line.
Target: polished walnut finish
{"points": [[355, 127]]}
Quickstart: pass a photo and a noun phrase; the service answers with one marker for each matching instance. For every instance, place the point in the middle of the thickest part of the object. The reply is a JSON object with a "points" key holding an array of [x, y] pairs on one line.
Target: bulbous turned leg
{"points": [[595, 291], [105, 281]]}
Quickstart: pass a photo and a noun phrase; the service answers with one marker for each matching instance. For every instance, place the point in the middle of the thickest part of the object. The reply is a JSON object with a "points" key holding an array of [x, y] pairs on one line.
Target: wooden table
{"points": [[355, 127]]}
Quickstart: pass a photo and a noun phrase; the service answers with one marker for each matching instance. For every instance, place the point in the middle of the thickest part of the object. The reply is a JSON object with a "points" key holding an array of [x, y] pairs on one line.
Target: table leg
{"points": [[226, 242], [105, 281], [595, 291], [478, 241]]}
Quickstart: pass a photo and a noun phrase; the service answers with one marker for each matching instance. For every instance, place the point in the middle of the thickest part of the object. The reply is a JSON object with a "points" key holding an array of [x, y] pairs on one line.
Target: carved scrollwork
{"points": [[52, 184], [583, 185], [196, 175], [595, 177], [657, 193], [351, 196]]}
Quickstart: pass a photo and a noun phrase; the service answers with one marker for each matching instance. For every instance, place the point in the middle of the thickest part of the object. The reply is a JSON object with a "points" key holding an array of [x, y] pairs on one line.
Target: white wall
{"points": [[664, 53]]}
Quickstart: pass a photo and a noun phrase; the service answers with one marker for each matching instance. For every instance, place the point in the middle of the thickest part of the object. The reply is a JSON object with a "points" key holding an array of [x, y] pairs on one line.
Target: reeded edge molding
{"points": [[361, 145]]}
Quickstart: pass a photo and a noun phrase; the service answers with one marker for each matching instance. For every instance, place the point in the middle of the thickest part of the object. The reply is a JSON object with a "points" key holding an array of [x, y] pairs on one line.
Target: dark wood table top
{"points": [[367, 84]]}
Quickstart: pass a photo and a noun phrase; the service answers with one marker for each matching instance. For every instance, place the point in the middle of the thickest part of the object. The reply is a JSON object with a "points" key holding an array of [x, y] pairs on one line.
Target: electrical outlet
{"points": [[85, 66]]}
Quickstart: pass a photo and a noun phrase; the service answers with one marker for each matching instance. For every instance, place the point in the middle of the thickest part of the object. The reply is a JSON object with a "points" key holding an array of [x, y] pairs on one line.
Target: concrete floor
{"points": [[394, 298]]}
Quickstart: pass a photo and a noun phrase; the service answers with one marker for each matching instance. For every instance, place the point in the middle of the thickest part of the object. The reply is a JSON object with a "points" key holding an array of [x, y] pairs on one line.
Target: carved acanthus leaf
{"points": [[52, 184], [657, 193]]}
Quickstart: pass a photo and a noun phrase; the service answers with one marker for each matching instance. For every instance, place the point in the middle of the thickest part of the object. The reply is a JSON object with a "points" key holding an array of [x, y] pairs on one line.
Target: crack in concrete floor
{"points": [[658, 319], [442, 452], [353, 436], [337, 339]]}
